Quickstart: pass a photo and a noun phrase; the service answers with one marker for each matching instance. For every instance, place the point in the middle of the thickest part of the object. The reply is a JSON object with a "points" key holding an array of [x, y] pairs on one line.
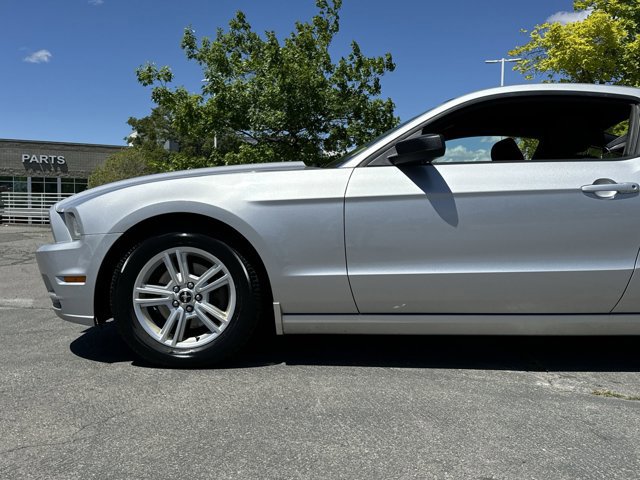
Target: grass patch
{"points": [[611, 394]]}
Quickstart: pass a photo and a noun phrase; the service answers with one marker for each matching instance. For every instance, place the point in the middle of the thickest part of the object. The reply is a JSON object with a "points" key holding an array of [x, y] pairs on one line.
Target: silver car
{"points": [[507, 211]]}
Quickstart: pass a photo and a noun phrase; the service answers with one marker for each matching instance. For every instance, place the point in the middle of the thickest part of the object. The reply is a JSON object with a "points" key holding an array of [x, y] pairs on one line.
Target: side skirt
{"points": [[605, 324]]}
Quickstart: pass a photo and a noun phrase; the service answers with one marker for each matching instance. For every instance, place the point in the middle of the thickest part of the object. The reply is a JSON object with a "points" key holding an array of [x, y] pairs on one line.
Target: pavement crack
{"points": [[559, 382], [602, 392], [102, 421], [73, 437], [37, 445]]}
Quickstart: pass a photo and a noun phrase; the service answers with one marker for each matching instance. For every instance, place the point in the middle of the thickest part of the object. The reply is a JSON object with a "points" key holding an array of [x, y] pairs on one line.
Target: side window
{"points": [[614, 143], [488, 148], [467, 150], [539, 126]]}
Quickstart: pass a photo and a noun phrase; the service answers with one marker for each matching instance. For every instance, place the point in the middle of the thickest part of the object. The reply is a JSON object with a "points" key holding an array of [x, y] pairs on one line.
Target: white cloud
{"points": [[460, 153], [41, 56], [95, 3], [490, 139], [569, 17]]}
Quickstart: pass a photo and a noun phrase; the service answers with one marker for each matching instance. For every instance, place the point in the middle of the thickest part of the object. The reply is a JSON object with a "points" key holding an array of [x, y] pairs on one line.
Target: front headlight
{"points": [[73, 225]]}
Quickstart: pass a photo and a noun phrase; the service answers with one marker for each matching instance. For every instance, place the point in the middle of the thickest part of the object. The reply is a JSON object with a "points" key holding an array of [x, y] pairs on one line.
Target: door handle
{"points": [[611, 187]]}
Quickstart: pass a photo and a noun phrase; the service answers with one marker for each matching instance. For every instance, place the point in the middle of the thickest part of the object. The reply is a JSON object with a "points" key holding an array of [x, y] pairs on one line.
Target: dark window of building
{"points": [[73, 185], [19, 184], [6, 184]]}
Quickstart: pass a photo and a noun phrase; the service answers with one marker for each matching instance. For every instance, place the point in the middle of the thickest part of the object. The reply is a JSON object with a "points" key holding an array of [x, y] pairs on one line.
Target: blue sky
{"points": [[67, 67]]}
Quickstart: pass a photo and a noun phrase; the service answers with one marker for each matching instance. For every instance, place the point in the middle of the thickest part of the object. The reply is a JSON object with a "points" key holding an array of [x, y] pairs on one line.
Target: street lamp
{"points": [[215, 135], [502, 62]]}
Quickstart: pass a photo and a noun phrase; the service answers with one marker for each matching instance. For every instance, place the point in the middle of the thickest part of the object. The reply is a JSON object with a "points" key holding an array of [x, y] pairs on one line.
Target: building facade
{"points": [[49, 167]]}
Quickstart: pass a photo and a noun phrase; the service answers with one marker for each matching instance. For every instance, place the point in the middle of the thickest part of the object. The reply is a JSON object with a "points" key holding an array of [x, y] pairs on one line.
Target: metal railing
{"points": [[32, 208]]}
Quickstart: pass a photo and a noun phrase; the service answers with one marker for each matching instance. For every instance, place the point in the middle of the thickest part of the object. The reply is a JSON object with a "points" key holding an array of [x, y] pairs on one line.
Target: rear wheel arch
{"points": [[167, 223]]}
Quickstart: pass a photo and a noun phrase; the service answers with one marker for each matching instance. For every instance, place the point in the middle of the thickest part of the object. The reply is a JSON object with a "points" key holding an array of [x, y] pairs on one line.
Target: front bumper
{"points": [[74, 302]]}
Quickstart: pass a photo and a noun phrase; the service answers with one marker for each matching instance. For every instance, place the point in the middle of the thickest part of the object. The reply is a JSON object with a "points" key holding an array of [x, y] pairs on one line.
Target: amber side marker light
{"points": [[74, 279]]}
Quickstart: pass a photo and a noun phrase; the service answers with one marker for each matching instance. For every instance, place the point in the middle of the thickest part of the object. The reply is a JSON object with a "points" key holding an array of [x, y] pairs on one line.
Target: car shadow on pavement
{"points": [[605, 354], [102, 344]]}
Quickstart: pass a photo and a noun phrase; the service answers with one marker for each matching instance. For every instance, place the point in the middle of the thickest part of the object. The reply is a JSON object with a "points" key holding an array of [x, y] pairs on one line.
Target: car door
{"points": [[524, 237]]}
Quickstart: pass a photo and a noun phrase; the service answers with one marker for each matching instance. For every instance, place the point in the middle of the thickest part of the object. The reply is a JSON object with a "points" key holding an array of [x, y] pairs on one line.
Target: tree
{"points": [[603, 48], [270, 100], [127, 163]]}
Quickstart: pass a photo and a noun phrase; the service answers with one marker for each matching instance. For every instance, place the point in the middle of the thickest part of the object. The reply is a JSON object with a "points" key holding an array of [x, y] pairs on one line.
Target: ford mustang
{"points": [[511, 211]]}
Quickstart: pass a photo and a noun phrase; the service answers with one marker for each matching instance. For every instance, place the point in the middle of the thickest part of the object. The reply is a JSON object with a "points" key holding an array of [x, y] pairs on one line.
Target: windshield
{"points": [[344, 159]]}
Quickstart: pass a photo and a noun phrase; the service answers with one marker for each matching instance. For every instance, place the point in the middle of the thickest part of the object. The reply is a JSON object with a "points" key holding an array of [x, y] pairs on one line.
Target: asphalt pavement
{"points": [[76, 404]]}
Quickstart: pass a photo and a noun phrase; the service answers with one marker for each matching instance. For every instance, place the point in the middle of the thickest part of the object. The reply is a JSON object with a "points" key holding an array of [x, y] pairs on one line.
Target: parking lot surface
{"points": [[77, 404]]}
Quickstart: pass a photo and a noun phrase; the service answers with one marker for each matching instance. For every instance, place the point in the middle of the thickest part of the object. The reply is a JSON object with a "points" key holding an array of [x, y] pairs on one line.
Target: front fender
{"points": [[294, 220]]}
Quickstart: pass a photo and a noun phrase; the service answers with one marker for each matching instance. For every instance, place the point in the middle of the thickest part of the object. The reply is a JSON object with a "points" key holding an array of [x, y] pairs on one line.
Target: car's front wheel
{"points": [[185, 299]]}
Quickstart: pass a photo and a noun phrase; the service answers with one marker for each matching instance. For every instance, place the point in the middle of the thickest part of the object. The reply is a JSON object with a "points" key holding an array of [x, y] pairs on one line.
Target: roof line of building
{"points": [[62, 143]]}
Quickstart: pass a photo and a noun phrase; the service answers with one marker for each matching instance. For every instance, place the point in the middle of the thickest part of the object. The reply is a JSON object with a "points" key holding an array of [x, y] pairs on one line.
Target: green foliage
{"points": [[128, 163], [604, 48], [527, 146], [269, 100]]}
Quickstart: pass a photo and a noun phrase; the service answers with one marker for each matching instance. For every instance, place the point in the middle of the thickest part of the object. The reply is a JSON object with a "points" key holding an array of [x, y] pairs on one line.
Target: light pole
{"points": [[215, 135], [502, 62]]}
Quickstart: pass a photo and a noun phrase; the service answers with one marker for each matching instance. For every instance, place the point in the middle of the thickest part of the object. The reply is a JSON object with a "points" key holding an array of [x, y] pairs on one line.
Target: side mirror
{"points": [[419, 150]]}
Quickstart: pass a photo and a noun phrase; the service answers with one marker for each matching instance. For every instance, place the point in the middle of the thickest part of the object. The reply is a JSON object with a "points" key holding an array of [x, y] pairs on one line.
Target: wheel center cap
{"points": [[185, 296]]}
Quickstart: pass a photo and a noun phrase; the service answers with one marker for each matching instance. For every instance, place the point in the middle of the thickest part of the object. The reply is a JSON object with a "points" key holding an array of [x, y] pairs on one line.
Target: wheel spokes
{"points": [[183, 266], [182, 323], [220, 282], [154, 290], [168, 325], [206, 321], [177, 297], [215, 312], [206, 276], [168, 264], [162, 296]]}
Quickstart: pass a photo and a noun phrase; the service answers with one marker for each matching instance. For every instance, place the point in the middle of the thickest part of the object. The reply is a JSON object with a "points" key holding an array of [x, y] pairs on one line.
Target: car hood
{"points": [[161, 177]]}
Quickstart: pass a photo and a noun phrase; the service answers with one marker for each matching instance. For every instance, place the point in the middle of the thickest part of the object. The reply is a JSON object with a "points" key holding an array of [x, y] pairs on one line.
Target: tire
{"points": [[174, 319]]}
